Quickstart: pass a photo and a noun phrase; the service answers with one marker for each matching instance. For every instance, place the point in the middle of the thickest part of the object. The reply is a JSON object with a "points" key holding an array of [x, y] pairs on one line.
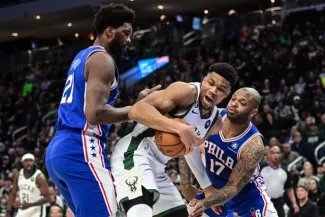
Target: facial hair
{"points": [[116, 48]]}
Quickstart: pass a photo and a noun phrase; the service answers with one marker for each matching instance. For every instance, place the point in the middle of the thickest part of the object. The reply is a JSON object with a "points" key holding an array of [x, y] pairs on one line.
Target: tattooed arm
{"points": [[250, 156], [192, 163], [188, 191], [184, 171]]}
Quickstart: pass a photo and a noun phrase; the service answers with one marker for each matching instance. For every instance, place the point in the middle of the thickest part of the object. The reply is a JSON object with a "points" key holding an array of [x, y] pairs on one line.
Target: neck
{"points": [[99, 42], [314, 191], [27, 173], [274, 164], [205, 112], [233, 129], [302, 202]]}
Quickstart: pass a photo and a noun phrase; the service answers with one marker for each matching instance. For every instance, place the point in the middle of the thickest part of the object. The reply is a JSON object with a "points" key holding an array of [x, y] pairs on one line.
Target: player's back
{"points": [[71, 116], [222, 154]]}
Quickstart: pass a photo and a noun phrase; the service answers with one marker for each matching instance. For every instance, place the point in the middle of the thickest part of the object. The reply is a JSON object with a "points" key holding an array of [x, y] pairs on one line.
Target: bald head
{"points": [[255, 96]]}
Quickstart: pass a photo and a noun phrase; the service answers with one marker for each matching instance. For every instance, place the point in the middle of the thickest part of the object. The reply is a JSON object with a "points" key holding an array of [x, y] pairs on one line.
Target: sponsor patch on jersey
{"points": [[234, 145], [207, 124]]}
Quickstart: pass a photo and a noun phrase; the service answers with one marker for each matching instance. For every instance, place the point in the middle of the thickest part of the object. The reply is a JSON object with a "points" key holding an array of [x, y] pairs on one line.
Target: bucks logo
{"points": [[131, 183]]}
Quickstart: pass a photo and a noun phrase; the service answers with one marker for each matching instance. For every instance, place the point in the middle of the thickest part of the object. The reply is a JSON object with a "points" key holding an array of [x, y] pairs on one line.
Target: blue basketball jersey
{"points": [[221, 155], [71, 114]]}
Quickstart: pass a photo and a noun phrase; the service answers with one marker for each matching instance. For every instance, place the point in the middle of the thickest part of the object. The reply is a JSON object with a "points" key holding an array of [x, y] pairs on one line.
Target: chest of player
{"points": [[27, 185], [202, 124], [220, 156]]}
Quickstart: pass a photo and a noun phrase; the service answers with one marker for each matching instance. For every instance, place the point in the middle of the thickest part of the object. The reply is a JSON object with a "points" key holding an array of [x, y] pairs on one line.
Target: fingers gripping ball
{"points": [[170, 144]]}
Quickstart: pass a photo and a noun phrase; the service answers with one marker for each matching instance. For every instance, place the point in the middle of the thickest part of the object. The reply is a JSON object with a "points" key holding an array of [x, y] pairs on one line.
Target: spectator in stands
{"points": [[314, 137], [316, 196], [274, 142], [322, 124], [302, 148], [56, 211], [322, 181], [5, 190], [55, 199], [293, 131], [320, 172], [288, 155], [3, 205], [306, 207], [308, 175]]}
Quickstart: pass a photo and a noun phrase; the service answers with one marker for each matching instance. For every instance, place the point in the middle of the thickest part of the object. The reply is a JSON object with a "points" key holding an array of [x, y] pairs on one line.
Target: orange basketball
{"points": [[170, 144]]}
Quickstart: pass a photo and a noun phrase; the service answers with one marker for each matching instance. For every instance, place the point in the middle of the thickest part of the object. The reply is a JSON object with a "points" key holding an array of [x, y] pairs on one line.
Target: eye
{"points": [[222, 90]]}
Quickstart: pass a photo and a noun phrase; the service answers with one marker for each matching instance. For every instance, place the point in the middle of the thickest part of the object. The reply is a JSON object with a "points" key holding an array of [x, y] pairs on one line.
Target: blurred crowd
{"points": [[286, 64]]}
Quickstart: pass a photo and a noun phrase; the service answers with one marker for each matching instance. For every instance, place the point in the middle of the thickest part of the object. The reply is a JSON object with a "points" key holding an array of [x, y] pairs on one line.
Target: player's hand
{"points": [[207, 192], [296, 208], [189, 192], [217, 209], [198, 208], [25, 205], [147, 91], [189, 137]]}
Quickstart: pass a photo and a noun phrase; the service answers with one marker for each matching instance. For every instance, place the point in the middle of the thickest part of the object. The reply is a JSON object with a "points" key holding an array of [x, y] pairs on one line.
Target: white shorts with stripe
{"points": [[137, 162]]}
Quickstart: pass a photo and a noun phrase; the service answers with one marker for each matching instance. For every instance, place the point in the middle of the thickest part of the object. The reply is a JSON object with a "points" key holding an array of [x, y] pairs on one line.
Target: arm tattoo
{"points": [[250, 157], [184, 170]]}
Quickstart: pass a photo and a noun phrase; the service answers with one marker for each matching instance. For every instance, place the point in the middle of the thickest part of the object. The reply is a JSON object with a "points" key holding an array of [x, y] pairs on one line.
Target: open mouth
{"points": [[208, 99]]}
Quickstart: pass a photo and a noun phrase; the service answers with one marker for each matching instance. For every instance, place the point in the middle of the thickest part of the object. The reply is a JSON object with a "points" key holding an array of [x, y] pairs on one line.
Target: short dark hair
{"points": [[226, 71], [114, 15]]}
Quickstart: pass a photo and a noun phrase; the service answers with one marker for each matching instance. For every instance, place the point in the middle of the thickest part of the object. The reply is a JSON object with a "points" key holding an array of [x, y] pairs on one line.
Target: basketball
{"points": [[170, 144]]}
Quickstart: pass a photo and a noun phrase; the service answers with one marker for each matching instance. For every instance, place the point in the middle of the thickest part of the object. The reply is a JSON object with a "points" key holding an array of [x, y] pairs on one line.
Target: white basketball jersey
{"points": [[29, 192], [192, 116]]}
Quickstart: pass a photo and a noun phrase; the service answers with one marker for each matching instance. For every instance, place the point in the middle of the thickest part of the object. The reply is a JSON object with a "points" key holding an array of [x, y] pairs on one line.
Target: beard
{"points": [[239, 119], [116, 48]]}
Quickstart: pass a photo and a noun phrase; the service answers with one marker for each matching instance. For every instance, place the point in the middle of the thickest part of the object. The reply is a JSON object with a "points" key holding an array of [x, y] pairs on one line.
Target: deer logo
{"points": [[131, 183]]}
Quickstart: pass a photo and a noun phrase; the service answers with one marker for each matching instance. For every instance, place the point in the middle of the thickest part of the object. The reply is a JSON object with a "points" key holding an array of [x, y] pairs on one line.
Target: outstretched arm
{"points": [[151, 111], [250, 157]]}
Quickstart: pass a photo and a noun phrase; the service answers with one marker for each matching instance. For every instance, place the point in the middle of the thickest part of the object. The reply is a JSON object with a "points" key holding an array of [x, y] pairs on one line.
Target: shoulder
{"points": [[254, 144], [40, 176], [283, 168], [253, 149], [185, 86], [102, 64], [264, 169], [182, 90]]}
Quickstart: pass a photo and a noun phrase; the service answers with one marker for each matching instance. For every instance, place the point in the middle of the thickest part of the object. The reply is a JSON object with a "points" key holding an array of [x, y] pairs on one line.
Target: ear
{"points": [[254, 112], [109, 31]]}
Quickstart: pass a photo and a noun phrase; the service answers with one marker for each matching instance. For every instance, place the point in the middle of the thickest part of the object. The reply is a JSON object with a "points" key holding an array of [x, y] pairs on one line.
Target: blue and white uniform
{"points": [[221, 156], [76, 158]]}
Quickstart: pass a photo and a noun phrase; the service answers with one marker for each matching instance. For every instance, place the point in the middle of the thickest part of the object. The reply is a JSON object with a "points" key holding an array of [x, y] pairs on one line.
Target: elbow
{"points": [[91, 116]]}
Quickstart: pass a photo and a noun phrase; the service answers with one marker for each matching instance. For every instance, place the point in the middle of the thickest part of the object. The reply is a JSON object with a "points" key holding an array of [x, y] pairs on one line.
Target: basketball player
{"points": [[232, 158], [76, 158], [138, 167], [33, 190]]}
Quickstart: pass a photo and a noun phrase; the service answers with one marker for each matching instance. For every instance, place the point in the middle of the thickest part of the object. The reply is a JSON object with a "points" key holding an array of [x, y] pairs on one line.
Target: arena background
{"points": [[276, 46]]}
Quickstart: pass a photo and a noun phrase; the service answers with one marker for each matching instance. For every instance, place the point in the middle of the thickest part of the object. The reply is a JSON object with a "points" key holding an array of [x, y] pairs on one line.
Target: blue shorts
{"points": [[78, 165], [244, 207]]}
